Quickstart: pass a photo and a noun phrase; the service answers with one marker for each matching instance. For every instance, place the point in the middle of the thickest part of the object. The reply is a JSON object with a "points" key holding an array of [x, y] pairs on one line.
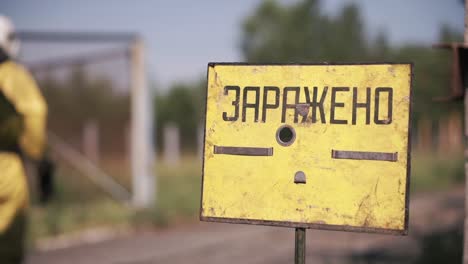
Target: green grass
{"points": [[178, 195], [59, 218], [431, 172], [79, 204]]}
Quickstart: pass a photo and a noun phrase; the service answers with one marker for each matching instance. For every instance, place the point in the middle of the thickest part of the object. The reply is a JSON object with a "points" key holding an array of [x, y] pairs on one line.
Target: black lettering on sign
{"points": [[235, 103], [315, 99], [335, 104], [318, 105], [307, 97], [389, 114], [290, 106], [266, 105], [254, 105], [365, 105]]}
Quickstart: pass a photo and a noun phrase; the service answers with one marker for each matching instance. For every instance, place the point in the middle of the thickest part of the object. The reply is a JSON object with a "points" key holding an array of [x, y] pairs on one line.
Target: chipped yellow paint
{"points": [[362, 195]]}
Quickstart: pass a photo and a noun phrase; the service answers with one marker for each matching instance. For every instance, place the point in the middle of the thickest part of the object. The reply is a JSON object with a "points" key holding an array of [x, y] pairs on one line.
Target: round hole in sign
{"points": [[285, 135]]}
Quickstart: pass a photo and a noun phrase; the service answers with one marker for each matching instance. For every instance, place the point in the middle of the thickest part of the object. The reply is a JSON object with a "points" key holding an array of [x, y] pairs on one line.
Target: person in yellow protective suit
{"points": [[22, 134]]}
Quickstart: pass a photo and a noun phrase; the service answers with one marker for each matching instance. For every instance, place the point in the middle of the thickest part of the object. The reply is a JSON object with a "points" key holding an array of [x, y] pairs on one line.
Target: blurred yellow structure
{"points": [[20, 89], [22, 129]]}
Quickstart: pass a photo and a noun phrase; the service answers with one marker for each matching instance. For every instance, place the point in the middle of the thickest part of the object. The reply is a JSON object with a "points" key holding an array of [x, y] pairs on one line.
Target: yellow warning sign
{"points": [[317, 146]]}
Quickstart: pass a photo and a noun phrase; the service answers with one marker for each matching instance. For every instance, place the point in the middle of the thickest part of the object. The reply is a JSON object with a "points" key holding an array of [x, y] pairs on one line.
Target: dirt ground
{"points": [[430, 213]]}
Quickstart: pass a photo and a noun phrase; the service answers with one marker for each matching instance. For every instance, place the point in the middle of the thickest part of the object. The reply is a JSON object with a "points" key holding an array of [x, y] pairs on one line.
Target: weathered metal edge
{"points": [[408, 161], [305, 225], [403, 232], [213, 64], [204, 141]]}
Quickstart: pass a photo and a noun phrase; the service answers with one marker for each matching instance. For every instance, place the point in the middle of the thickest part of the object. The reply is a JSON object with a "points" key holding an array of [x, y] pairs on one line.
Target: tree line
{"points": [[302, 32], [272, 33]]}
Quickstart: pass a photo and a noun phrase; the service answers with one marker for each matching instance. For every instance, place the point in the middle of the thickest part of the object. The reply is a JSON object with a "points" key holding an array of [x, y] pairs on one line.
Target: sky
{"points": [[182, 36]]}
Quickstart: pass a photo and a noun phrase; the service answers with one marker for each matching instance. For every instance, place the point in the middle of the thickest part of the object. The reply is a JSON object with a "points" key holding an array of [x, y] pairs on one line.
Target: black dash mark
{"points": [[364, 155], [244, 151]]}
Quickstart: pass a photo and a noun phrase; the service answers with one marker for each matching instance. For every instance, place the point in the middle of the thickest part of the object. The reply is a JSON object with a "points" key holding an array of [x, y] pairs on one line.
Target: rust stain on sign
{"points": [[318, 146]]}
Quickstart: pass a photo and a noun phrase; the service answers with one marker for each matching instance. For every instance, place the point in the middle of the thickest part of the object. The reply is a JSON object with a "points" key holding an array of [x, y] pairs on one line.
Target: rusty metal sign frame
{"points": [[319, 226]]}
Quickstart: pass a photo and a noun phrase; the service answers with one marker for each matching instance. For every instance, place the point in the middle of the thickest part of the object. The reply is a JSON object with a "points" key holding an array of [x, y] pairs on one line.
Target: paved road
{"points": [[225, 243]]}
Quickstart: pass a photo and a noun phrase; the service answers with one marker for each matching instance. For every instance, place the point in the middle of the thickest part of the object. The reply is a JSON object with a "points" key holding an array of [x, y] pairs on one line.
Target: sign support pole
{"points": [[465, 247], [299, 247]]}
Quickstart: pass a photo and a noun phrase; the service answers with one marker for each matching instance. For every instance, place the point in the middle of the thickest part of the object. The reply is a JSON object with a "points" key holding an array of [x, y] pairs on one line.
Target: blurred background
{"points": [[125, 84]]}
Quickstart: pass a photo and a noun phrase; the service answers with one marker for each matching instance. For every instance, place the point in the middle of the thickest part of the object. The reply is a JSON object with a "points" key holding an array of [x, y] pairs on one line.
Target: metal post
{"points": [[465, 36], [465, 247], [142, 154], [300, 246]]}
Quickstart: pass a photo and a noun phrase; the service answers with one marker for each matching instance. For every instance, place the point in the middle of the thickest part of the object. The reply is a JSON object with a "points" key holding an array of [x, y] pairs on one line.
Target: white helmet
{"points": [[8, 39]]}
